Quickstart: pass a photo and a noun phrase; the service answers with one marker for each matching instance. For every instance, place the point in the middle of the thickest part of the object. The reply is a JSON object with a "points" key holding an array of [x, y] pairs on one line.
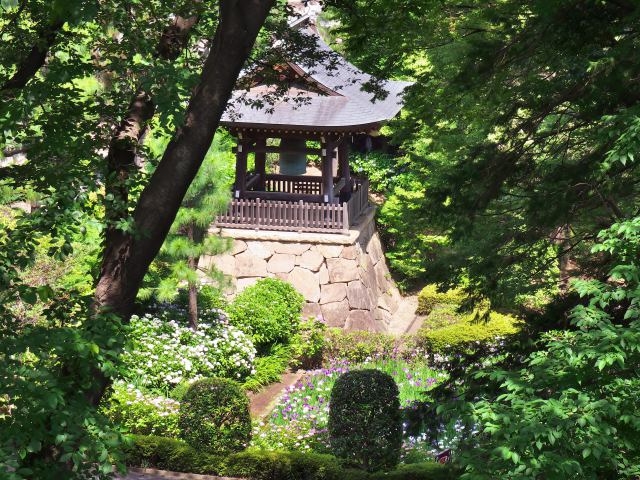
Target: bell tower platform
{"points": [[343, 278]]}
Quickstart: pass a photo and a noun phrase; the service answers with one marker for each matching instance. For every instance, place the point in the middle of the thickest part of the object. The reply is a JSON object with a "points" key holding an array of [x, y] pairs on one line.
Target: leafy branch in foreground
{"points": [[571, 411]]}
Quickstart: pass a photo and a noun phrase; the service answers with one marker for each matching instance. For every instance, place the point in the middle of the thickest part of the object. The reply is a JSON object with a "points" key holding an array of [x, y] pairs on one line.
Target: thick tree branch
{"points": [[35, 59], [127, 258]]}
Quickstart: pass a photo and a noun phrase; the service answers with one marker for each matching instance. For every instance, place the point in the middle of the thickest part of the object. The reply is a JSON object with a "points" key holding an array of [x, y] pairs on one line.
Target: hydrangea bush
{"points": [[141, 412], [164, 352]]}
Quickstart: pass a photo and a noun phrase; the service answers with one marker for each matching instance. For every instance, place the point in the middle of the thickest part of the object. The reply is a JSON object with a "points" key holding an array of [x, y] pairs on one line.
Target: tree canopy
{"points": [[520, 131]]}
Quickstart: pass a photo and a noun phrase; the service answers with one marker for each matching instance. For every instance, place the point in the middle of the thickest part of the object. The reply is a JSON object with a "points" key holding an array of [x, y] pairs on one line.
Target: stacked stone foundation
{"points": [[343, 278]]}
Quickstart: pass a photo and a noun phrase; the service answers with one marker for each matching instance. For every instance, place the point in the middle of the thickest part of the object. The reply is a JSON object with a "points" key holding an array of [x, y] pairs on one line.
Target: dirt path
{"points": [[405, 319], [264, 401]]}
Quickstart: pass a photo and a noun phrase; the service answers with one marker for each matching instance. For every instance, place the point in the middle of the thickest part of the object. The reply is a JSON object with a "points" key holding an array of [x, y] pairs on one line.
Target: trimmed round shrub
{"points": [[365, 425], [269, 311], [214, 416]]}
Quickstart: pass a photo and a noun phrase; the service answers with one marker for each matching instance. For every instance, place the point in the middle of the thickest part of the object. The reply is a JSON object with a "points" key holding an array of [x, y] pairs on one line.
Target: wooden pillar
{"points": [[261, 163], [241, 169], [327, 170], [343, 165]]}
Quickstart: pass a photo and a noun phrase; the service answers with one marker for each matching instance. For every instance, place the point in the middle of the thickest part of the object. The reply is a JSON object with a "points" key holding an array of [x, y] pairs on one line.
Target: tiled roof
{"points": [[348, 109]]}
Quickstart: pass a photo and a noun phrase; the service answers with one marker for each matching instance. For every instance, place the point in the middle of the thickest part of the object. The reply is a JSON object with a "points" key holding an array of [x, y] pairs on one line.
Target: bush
{"points": [[141, 412], [177, 456], [269, 311], [171, 454], [307, 347], [163, 352], [214, 415], [365, 425], [469, 334], [357, 346], [429, 297]]}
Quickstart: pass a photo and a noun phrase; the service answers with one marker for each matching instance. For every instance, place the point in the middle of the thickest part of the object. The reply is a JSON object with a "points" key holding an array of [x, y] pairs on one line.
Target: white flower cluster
{"points": [[163, 352], [142, 412]]}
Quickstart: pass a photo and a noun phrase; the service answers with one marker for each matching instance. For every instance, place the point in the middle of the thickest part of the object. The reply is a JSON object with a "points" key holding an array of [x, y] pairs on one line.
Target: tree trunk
{"points": [[36, 58], [127, 257], [193, 286]]}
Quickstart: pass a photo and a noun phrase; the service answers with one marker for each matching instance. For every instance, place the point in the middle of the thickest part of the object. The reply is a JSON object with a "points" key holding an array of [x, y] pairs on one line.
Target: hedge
{"points": [[175, 455], [356, 346], [467, 334]]}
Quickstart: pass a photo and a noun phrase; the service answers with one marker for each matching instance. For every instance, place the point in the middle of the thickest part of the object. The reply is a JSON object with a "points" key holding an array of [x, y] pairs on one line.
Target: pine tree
{"points": [[188, 239]]}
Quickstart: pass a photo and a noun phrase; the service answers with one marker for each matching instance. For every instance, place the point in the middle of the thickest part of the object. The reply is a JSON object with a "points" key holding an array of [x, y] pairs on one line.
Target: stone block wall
{"points": [[344, 279]]}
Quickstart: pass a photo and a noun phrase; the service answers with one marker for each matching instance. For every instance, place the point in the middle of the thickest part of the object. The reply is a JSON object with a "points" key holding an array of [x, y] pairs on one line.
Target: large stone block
{"points": [[238, 246], [305, 282], [335, 314], [243, 283], [375, 249], [311, 260], [359, 296], [329, 251], [367, 272], [259, 249], [350, 252], [311, 310], [383, 277], [361, 320], [225, 263], [333, 292], [248, 265], [323, 275], [341, 270], [281, 263], [290, 248], [390, 300], [383, 316]]}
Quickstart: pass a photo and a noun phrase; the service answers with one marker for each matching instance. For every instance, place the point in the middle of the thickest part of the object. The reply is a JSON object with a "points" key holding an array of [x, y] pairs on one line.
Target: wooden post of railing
{"points": [[345, 218], [258, 214]]}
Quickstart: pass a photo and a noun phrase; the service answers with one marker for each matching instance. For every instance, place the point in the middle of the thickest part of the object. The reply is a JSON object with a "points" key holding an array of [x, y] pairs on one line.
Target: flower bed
{"points": [[164, 351], [299, 420]]}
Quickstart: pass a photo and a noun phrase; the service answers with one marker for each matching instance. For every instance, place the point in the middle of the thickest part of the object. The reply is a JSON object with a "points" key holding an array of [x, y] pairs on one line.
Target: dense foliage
{"points": [[357, 346], [141, 412], [520, 134], [465, 333], [572, 410], [214, 416], [269, 310], [365, 427]]}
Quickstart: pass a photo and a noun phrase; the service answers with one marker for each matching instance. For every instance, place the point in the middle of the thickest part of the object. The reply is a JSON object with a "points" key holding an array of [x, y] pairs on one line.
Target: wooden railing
{"points": [[291, 216], [296, 216]]}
